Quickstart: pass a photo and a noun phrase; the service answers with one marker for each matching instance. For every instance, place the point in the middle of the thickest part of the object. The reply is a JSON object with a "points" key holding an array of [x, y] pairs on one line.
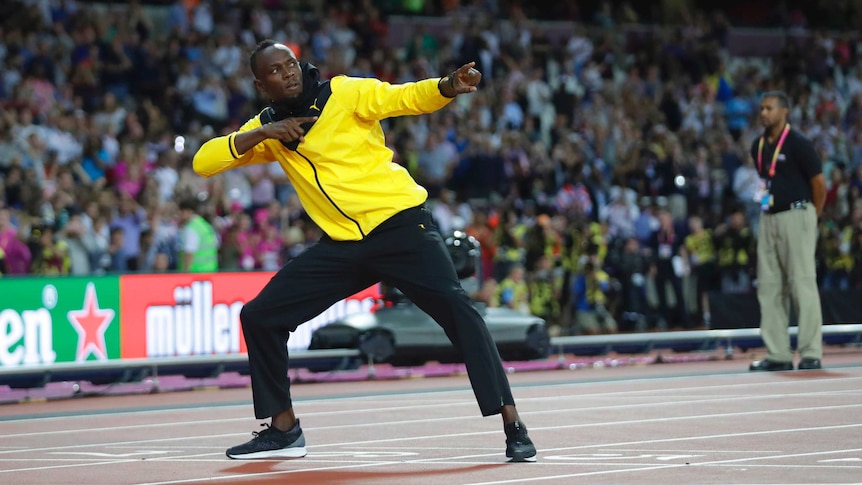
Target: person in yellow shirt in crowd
{"points": [[513, 291], [837, 256], [590, 296], [50, 256], [545, 286], [327, 137], [699, 251], [735, 248]]}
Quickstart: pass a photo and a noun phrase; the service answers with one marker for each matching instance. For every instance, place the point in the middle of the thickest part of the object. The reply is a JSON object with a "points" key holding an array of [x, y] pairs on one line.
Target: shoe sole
{"points": [[522, 459], [298, 452]]}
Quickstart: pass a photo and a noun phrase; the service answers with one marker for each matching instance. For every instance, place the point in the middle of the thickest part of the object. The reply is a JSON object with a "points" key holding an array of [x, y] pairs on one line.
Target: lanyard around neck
{"points": [[775, 153]]}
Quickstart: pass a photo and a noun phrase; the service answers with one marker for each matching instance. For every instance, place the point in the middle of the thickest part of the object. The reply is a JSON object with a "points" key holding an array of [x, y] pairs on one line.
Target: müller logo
{"points": [[193, 325]]}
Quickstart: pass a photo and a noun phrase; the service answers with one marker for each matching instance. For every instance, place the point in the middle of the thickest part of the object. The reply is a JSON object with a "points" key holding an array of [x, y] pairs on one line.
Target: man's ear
{"points": [[259, 86]]}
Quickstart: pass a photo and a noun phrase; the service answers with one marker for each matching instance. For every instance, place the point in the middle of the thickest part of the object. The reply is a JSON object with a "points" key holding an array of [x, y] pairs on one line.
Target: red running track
{"points": [[693, 422]]}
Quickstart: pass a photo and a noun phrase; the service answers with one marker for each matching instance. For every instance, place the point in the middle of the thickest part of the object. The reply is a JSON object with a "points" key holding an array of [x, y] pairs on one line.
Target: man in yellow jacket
{"points": [[328, 139]]}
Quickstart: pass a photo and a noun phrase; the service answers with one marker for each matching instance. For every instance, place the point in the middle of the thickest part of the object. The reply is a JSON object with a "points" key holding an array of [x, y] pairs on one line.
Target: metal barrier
{"points": [[728, 338], [200, 366], [132, 370]]}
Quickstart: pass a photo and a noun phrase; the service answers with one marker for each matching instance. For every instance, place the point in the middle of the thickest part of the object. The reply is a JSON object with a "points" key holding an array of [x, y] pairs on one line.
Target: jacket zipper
{"points": [[320, 186]]}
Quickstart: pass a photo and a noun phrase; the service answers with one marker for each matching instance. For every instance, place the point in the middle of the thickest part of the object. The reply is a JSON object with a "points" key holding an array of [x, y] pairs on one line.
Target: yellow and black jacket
{"points": [[343, 172]]}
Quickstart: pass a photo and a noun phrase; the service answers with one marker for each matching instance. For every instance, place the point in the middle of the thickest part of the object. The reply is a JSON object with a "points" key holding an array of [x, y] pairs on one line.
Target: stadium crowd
{"points": [[606, 176]]}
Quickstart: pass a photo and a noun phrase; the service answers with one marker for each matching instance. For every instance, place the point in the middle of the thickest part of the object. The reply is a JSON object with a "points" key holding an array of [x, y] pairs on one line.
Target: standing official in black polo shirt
{"points": [[791, 192]]}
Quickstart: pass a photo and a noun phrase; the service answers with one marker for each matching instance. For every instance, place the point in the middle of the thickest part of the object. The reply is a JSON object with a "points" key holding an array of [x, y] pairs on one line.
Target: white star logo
{"points": [[91, 322]]}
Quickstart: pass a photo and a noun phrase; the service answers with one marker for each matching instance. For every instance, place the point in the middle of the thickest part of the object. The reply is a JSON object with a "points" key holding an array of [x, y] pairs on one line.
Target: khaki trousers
{"points": [[786, 275]]}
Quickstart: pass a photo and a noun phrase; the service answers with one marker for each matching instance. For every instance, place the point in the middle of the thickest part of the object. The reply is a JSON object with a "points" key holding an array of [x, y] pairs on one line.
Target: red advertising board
{"points": [[167, 315]]}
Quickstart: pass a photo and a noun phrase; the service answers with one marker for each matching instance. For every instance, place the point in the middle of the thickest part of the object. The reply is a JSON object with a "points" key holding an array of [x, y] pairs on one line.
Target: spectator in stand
{"points": [[513, 291], [80, 244], [269, 248], [198, 241], [835, 242], [734, 246], [632, 271], [699, 253], [131, 218], [590, 293], [667, 266], [545, 288], [17, 253], [51, 256], [745, 180]]}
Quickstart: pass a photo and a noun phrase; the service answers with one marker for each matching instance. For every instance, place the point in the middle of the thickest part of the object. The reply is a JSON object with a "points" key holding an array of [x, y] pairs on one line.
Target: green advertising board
{"points": [[68, 319]]}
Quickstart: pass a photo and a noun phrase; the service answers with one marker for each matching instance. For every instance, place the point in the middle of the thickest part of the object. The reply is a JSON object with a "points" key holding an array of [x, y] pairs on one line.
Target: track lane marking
{"points": [[699, 399], [653, 392], [481, 433]]}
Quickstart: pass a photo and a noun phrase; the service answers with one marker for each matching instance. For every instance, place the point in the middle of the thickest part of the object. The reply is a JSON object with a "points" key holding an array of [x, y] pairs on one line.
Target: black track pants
{"points": [[406, 251]]}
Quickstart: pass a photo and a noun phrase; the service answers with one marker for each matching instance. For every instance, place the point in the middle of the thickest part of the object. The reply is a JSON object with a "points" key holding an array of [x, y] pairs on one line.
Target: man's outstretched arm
{"points": [[371, 99]]}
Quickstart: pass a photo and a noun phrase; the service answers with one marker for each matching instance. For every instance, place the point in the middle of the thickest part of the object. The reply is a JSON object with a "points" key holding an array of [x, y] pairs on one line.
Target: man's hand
{"points": [[462, 81], [288, 129], [465, 79]]}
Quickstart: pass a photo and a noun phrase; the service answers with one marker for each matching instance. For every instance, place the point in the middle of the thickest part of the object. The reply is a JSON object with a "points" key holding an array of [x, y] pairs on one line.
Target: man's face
{"points": [[277, 73], [772, 113], [185, 216]]}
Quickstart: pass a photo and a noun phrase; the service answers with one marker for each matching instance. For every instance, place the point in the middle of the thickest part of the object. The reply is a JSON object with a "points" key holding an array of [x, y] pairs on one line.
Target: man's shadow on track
{"points": [[265, 471]]}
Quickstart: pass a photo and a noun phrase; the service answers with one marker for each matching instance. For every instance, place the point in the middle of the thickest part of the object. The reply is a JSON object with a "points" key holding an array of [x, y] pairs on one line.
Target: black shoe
{"points": [[519, 446], [768, 365], [271, 443], [808, 363]]}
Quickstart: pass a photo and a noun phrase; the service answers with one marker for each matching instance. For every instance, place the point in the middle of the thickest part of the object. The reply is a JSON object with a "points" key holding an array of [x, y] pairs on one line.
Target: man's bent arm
{"points": [[242, 147]]}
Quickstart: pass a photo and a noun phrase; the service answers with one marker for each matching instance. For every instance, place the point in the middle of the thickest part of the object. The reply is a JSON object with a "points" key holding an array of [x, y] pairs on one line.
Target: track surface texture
{"points": [[694, 422]]}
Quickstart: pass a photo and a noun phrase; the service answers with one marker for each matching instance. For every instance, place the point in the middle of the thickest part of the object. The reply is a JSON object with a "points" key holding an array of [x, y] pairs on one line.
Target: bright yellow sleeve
{"points": [[372, 99], [220, 154]]}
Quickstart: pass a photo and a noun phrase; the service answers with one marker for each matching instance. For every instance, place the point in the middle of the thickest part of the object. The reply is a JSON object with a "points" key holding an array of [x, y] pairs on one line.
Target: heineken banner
{"points": [[49, 320], [70, 319]]}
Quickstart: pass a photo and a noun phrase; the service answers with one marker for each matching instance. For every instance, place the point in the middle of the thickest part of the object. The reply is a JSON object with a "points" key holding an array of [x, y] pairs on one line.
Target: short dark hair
{"points": [[781, 96], [252, 60], [188, 204]]}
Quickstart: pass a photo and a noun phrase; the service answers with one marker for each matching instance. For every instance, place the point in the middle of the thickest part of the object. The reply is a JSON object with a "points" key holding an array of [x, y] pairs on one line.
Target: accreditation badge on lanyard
{"points": [[763, 194]]}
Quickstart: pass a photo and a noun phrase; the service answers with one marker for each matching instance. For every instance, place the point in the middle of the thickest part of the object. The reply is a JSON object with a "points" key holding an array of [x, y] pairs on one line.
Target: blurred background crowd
{"points": [[603, 165]]}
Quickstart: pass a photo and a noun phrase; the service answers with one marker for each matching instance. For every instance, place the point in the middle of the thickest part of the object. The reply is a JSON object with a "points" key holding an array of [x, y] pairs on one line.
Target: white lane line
{"points": [[454, 418], [606, 423], [698, 399], [76, 465], [541, 463], [653, 392], [784, 465], [687, 438], [456, 460], [653, 450], [131, 442], [558, 427], [481, 433], [777, 457], [628, 470]]}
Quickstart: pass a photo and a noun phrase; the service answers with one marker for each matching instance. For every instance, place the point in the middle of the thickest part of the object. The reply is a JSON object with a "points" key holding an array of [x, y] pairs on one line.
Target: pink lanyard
{"points": [[775, 153]]}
